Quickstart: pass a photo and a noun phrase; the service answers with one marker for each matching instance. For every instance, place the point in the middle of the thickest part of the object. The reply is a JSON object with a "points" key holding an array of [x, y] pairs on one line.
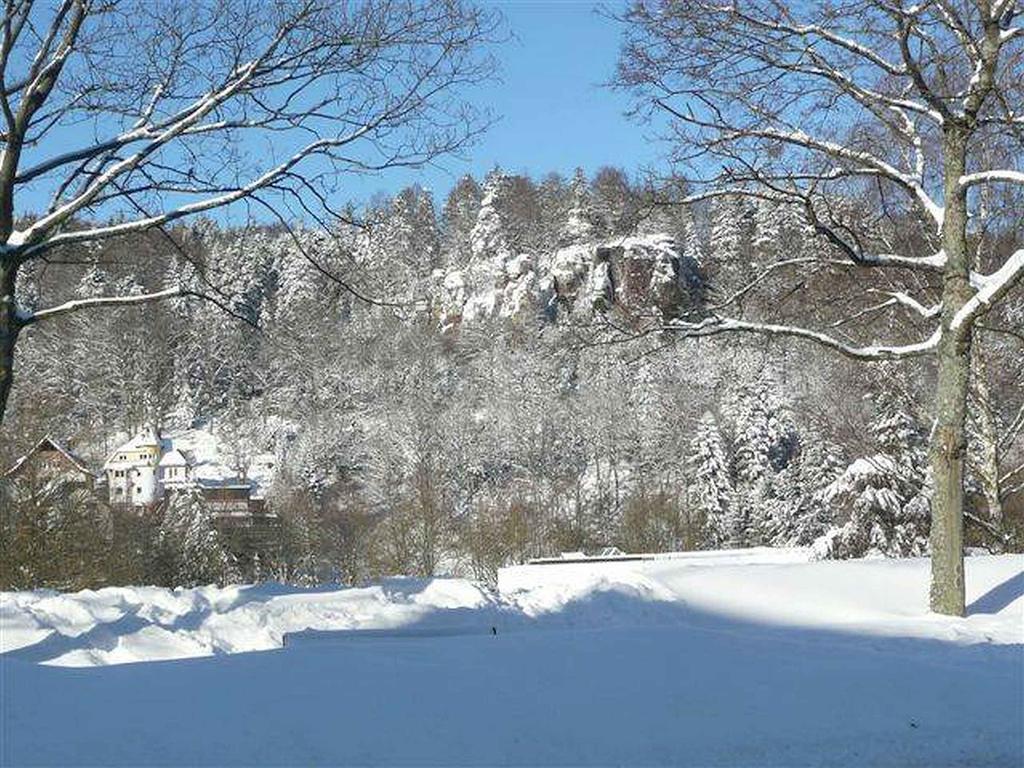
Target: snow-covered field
{"points": [[741, 658]]}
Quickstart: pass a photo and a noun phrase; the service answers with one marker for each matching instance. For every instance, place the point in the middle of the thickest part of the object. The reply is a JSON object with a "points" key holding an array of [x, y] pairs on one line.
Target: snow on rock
{"points": [[638, 274]]}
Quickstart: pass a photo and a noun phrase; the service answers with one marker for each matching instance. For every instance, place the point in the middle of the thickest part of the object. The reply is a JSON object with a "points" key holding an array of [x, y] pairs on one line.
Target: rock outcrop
{"points": [[639, 276]]}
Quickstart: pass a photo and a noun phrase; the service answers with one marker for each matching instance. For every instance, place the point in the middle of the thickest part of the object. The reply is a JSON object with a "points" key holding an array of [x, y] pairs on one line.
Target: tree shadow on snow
{"points": [[999, 597]]}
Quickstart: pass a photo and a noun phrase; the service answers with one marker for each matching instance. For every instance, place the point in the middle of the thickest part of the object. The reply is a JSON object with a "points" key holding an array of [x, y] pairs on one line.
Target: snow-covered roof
{"points": [[48, 443], [148, 438], [173, 458], [211, 468], [200, 451]]}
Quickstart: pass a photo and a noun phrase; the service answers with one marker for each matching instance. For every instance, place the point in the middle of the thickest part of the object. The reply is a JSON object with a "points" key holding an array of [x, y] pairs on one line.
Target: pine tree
{"points": [[458, 217], [882, 500], [581, 224], [614, 204], [190, 545], [554, 198], [405, 242], [489, 237], [712, 485], [729, 259], [818, 465], [765, 441]]}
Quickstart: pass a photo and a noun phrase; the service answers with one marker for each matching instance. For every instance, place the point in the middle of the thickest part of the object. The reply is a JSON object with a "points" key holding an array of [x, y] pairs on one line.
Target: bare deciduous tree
{"points": [[916, 106], [138, 114]]}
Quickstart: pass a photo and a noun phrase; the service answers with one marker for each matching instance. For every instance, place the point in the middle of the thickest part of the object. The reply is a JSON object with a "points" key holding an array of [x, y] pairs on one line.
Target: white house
{"points": [[147, 467], [174, 470], [132, 470]]}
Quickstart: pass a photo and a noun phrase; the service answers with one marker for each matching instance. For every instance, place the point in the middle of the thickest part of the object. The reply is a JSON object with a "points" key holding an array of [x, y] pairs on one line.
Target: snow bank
{"points": [[777, 587], [738, 658], [117, 625]]}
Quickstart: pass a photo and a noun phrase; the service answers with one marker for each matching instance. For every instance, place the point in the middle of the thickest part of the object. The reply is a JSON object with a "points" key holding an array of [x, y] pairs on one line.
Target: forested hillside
{"points": [[454, 385]]}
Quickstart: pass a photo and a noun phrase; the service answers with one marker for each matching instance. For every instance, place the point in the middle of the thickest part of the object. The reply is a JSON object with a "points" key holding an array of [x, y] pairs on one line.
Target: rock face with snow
{"points": [[640, 276]]}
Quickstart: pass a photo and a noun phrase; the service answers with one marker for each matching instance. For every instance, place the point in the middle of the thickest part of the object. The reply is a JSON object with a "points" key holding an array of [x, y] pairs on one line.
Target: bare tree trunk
{"points": [[984, 458], [949, 437], [949, 446], [9, 329]]}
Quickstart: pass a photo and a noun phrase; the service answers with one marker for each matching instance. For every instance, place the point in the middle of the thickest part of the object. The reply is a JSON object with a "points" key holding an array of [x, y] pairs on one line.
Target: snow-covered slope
{"points": [[747, 658]]}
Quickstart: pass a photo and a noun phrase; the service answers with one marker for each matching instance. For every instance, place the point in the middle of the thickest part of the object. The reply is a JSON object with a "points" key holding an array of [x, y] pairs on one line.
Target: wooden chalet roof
{"points": [[49, 444]]}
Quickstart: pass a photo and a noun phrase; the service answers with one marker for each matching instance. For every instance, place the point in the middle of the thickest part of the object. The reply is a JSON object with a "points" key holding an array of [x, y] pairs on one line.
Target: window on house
{"points": [[138, 491], [119, 491]]}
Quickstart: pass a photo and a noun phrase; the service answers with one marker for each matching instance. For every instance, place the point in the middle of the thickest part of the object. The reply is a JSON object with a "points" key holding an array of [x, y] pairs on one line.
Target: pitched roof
{"points": [[147, 438], [174, 458], [48, 443]]}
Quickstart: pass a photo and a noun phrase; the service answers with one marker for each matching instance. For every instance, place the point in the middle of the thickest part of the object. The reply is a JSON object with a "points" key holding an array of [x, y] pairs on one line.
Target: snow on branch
{"points": [[715, 326], [816, 32], [934, 262], [842, 152], [101, 301], [991, 289], [986, 177], [908, 301], [913, 183], [199, 206]]}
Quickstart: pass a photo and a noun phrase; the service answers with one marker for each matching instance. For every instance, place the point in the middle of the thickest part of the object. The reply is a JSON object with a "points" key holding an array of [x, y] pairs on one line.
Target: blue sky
{"points": [[554, 113]]}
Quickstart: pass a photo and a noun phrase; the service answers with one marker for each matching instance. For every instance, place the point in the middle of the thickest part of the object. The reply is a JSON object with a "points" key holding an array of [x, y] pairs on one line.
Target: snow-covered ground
{"points": [[738, 658]]}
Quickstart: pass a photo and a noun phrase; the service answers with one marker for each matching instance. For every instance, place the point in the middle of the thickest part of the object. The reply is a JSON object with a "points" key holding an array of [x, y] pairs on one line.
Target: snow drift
{"points": [[727, 658]]}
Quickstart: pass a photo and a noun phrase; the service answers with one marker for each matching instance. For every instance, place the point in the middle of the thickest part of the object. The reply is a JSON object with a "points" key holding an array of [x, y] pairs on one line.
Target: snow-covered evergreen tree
{"points": [[730, 252], [712, 485], [764, 442], [881, 501], [458, 217], [581, 224], [489, 237], [190, 545], [404, 242], [614, 203], [818, 465]]}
